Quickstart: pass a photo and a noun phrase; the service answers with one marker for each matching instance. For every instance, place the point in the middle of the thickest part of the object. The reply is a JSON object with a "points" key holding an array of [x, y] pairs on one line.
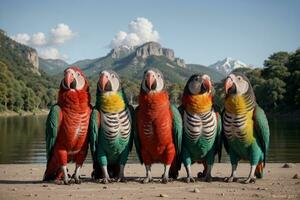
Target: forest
{"points": [[276, 84]]}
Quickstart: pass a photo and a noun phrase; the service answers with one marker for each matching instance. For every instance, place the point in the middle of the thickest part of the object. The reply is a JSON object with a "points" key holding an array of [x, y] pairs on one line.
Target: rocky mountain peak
{"points": [[155, 49], [120, 52], [228, 64]]}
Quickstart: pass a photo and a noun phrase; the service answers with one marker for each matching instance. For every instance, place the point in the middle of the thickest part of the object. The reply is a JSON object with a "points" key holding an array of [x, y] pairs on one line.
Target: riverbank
{"points": [[24, 182], [23, 113]]}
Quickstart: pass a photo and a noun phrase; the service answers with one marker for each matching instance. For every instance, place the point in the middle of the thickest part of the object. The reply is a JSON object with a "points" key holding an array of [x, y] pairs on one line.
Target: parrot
{"points": [[111, 129], [246, 131], [67, 127], [158, 134], [201, 126]]}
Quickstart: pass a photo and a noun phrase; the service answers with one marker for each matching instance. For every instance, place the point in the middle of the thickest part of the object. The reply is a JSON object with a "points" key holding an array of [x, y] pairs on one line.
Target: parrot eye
{"points": [[239, 78], [78, 74], [158, 75], [113, 76]]}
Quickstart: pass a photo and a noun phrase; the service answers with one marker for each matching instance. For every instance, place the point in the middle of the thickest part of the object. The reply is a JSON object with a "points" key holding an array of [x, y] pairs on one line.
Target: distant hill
{"points": [[23, 86], [130, 63], [52, 66], [228, 64]]}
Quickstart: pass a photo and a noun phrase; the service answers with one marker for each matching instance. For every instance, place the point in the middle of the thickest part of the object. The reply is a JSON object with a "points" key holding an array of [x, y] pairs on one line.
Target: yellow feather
{"points": [[199, 103], [112, 103], [237, 105]]}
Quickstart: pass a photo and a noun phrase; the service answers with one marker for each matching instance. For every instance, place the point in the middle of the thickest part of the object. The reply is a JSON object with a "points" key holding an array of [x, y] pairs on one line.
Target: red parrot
{"points": [[159, 127], [67, 127]]}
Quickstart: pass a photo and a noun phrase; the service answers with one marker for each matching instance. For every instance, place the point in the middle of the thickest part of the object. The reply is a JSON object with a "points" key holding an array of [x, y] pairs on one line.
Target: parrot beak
{"points": [[228, 84], [207, 84], [150, 80], [69, 78], [103, 81]]}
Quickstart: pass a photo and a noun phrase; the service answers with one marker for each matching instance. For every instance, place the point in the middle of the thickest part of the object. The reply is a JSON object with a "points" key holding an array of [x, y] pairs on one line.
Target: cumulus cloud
{"points": [[61, 33], [52, 53], [46, 43], [140, 30], [57, 36], [38, 39], [22, 38]]}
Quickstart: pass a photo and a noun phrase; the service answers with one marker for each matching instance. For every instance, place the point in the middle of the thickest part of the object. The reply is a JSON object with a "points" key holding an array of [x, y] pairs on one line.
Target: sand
{"points": [[24, 182]]}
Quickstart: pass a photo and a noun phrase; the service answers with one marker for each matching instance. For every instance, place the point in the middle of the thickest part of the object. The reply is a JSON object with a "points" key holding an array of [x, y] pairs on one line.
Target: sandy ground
{"points": [[24, 182]]}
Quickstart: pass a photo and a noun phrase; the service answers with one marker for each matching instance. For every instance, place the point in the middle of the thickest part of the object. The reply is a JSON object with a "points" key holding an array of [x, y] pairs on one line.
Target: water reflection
{"points": [[22, 141]]}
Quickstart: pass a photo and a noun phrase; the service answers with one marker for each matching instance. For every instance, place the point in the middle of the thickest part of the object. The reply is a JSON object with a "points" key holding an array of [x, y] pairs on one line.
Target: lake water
{"points": [[22, 141]]}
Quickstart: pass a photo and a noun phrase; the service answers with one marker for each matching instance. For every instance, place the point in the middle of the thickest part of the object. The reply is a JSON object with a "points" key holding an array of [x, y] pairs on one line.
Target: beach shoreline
{"points": [[24, 181]]}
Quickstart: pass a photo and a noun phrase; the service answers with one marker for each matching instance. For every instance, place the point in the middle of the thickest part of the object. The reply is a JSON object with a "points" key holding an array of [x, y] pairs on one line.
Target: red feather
{"points": [[72, 141], [155, 116]]}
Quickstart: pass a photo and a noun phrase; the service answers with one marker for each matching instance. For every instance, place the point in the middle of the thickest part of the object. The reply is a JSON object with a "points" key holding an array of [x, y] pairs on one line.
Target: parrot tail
{"points": [[53, 171], [259, 171], [174, 169]]}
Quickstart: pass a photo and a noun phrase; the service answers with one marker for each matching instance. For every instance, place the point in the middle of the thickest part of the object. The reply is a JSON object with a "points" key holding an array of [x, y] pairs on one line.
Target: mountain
{"points": [[131, 63], [52, 66], [23, 86], [228, 64]]}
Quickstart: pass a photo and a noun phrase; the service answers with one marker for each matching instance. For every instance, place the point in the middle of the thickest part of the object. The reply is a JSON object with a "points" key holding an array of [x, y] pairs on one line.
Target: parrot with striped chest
{"points": [[111, 129], [245, 127], [67, 127], [201, 126], [159, 127]]}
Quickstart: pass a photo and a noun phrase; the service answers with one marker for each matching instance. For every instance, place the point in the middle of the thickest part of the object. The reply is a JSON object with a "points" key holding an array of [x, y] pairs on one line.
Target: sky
{"points": [[200, 32]]}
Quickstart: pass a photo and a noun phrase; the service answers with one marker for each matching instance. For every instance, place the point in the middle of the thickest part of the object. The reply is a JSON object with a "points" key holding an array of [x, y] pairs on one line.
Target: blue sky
{"points": [[200, 32]]}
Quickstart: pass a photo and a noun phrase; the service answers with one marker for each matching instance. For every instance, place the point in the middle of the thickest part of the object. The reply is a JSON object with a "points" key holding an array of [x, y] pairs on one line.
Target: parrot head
{"points": [[153, 81], [237, 84], [198, 84], [109, 81], [239, 95], [74, 79]]}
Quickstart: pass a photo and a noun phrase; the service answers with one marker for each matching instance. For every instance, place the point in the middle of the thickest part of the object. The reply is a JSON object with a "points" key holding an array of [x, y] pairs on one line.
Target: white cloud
{"points": [[38, 39], [61, 33], [46, 44], [140, 30], [51, 53], [22, 38], [57, 36]]}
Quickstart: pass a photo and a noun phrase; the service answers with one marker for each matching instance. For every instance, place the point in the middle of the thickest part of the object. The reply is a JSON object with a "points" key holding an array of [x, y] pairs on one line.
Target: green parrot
{"points": [[245, 127], [111, 129], [201, 126]]}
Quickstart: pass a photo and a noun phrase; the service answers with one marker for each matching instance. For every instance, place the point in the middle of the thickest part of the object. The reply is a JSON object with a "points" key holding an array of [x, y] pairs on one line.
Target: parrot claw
{"points": [[190, 180], [249, 180], [230, 179], [75, 179], [207, 178], [147, 180], [67, 182], [122, 180], [200, 175], [165, 180], [106, 180]]}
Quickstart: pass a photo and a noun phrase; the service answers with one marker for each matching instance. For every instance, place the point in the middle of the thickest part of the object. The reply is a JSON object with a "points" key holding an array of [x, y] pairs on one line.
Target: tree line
{"points": [[276, 86]]}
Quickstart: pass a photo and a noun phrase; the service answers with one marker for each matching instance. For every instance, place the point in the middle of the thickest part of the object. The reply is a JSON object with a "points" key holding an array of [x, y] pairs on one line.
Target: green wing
{"points": [[93, 133], [261, 129], [177, 128], [136, 137], [177, 137], [52, 123]]}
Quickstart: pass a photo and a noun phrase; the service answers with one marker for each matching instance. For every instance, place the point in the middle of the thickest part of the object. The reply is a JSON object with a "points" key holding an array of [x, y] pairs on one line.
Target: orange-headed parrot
{"points": [[201, 126], [159, 127], [67, 127]]}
